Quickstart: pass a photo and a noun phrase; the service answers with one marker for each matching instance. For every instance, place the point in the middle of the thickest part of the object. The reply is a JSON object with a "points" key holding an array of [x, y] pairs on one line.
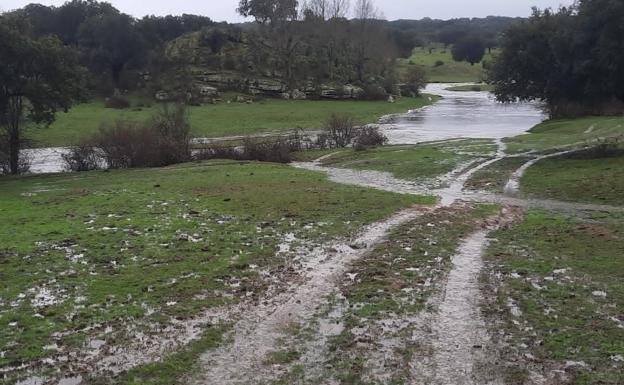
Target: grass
{"points": [[494, 177], [224, 119], [577, 178], [557, 270], [450, 72], [556, 134], [142, 246], [472, 88], [413, 162]]}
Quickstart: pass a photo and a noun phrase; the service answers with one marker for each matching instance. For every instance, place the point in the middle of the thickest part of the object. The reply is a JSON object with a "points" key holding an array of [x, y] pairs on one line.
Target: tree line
{"points": [[571, 58]]}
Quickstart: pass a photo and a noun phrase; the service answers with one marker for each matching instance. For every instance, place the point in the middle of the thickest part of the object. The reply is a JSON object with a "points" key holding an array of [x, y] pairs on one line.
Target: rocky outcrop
{"points": [[345, 92], [266, 86]]}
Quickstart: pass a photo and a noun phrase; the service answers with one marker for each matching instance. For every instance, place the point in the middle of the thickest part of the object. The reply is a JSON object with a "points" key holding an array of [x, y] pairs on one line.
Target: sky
{"points": [[225, 10]]}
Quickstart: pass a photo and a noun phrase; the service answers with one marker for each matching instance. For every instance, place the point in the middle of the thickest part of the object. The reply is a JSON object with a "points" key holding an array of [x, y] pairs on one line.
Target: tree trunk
{"points": [[13, 131], [14, 151]]}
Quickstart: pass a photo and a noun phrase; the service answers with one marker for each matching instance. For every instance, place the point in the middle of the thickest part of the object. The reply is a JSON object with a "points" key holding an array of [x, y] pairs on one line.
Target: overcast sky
{"points": [[220, 10]]}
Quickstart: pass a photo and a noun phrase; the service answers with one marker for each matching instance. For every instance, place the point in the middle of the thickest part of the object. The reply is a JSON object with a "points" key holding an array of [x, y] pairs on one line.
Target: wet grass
{"points": [[225, 119], [416, 162], [556, 134], [578, 178], [82, 252], [172, 370], [565, 277], [494, 177]]}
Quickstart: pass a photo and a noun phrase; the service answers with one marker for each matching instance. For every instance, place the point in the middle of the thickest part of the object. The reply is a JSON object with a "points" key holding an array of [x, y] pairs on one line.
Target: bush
{"points": [[117, 102], [258, 149], [161, 141], [374, 92], [84, 157], [438, 63], [339, 130], [415, 80], [266, 151], [369, 137]]}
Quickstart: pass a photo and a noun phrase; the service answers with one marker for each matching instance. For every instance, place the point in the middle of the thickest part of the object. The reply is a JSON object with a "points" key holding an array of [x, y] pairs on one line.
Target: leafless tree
{"points": [[365, 10], [327, 9], [339, 8]]}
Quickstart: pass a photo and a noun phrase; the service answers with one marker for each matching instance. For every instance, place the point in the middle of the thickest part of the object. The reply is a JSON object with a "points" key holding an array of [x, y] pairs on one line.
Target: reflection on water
{"points": [[461, 115]]}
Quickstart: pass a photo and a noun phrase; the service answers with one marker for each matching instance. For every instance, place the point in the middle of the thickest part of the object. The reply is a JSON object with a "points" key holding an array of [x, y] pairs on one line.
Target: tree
{"points": [[326, 9], [470, 49], [571, 59], [38, 77], [113, 42], [269, 11]]}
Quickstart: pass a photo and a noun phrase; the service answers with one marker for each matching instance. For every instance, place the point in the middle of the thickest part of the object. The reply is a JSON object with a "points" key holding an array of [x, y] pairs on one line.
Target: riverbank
{"points": [[224, 119]]}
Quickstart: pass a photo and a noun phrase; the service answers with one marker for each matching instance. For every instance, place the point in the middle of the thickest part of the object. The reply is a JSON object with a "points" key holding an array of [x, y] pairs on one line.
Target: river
{"points": [[456, 115], [461, 115]]}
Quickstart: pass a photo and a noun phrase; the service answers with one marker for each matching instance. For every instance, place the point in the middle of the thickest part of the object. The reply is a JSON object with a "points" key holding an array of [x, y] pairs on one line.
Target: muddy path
{"points": [[259, 331], [459, 339]]}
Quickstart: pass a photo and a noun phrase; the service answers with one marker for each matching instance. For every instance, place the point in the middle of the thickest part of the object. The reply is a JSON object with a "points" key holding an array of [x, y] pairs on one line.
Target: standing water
{"points": [[456, 115], [461, 115]]}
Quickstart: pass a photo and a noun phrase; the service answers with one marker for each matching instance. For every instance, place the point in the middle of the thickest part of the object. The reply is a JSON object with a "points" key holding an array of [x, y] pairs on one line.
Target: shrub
{"points": [[438, 63], [369, 136], [339, 130], [161, 141], [374, 92], [266, 151], [117, 102], [415, 80], [258, 149], [84, 157]]}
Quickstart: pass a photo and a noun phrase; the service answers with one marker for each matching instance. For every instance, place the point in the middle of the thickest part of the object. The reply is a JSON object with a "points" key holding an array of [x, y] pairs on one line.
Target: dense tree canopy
{"points": [[269, 11], [38, 77], [470, 49], [572, 59]]}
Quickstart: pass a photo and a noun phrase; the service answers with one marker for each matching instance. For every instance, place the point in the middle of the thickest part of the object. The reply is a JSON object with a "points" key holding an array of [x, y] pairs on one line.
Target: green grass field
{"points": [[577, 178], [564, 277], [449, 72], [556, 134], [495, 176], [415, 163], [224, 119], [141, 246]]}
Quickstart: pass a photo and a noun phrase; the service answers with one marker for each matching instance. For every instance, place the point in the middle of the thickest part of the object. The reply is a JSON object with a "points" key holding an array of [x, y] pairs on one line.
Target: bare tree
{"points": [[319, 8], [326, 9], [339, 8], [365, 10]]}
